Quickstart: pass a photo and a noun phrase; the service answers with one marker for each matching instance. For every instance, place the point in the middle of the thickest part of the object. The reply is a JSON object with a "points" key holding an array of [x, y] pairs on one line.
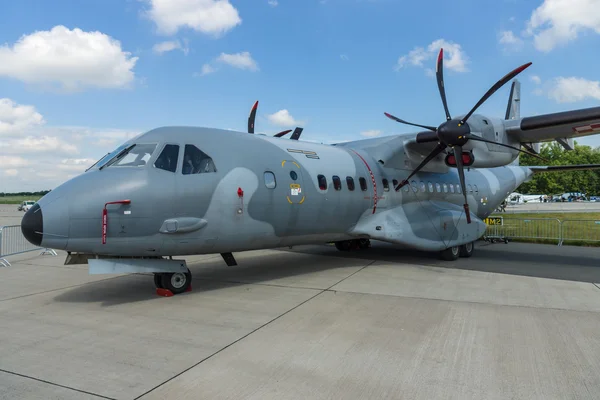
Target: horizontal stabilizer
{"points": [[562, 125], [556, 168]]}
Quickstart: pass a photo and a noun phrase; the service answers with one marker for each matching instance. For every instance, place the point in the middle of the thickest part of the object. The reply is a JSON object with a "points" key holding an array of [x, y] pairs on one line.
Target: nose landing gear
{"points": [[172, 283]]}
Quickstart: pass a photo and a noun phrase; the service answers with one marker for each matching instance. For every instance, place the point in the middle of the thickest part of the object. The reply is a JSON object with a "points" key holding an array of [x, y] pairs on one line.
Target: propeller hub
{"points": [[453, 133]]}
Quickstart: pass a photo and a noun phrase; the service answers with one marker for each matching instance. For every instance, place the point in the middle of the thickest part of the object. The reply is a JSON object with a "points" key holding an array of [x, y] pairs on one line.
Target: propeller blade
{"points": [[438, 149], [251, 117], [461, 175], [297, 133], [426, 137], [439, 73], [494, 88], [431, 128], [282, 133], [479, 139]]}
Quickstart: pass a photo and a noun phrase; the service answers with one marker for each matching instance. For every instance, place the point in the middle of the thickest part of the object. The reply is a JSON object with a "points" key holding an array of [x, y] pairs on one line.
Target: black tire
{"points": [[158, 281], [450, 254], [177, 282], [466, 250]]}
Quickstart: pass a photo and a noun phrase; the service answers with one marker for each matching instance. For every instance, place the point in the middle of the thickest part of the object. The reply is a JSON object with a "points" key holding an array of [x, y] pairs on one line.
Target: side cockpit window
{"points": [[195, 161], [167, 159]]}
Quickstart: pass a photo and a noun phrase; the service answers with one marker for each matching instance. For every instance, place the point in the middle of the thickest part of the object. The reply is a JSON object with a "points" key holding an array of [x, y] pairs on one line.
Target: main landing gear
{"points": [[453, 253], [355, 244], [172, 283]]}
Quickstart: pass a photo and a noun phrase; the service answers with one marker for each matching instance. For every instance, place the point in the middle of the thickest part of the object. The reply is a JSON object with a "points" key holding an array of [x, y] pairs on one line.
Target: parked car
{"points": [[26, 205]]}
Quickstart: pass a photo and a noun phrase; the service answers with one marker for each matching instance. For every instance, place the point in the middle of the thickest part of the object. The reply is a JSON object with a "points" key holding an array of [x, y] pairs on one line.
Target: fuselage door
{"points": [[291, 179]]}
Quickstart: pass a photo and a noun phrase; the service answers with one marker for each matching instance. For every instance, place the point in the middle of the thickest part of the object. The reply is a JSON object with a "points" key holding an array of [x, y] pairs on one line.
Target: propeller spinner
{"points": [[455, 133]]}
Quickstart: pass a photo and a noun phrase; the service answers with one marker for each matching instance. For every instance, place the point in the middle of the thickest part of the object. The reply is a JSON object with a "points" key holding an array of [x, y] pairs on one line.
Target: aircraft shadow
{"points": [[280, 268], [572, 263]]}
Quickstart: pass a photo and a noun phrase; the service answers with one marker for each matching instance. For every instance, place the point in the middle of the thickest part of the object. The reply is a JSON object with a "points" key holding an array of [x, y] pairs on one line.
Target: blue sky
{"points": [[77, 78]]}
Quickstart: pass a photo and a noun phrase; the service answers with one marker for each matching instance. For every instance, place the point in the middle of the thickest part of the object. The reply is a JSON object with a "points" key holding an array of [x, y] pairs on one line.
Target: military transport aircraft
{"points": [[176, 191]]}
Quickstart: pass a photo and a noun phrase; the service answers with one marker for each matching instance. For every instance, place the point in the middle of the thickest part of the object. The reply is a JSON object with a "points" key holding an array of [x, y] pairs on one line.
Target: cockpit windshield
{"points": [[134, 155], [129, 155]]}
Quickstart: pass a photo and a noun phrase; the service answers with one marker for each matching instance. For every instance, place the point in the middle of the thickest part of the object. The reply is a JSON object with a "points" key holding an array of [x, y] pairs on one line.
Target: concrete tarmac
{"points": [[515, 321]]}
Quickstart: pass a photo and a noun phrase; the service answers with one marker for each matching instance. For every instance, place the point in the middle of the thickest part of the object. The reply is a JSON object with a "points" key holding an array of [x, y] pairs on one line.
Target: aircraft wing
{"points": [[562, 125], [557, 168]]}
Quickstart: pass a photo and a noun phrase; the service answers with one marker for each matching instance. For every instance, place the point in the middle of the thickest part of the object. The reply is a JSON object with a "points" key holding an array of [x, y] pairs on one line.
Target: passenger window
{"points": [[363, 184], [270, 180], [350, 183], [475, 187], [406, 188], [414, 186], [438, 188], [195, 161], [469, 188], [337, 183], [451, 188], [458, 189], [293, 175], [430, 187], [395, 183], [423, 187], [445, 188], [167, 159], [322, 182], [386, 186]]}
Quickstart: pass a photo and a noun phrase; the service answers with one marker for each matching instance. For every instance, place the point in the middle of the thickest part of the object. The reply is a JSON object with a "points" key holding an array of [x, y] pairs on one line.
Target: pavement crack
{"points": [[56, 384]]}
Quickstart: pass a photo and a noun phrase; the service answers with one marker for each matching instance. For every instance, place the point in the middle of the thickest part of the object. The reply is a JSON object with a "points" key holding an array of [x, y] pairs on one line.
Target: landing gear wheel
{"points": [[466, 250], [450, 254], [158, 281], [177, 282]]}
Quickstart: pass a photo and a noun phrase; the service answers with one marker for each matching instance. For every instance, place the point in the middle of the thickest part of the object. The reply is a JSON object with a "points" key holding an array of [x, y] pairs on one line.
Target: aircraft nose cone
{"points": [[32, 225]]}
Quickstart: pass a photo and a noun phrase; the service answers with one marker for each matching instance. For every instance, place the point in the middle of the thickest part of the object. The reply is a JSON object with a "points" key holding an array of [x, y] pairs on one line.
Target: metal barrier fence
{"points": [[551, 229], [12, 242]]}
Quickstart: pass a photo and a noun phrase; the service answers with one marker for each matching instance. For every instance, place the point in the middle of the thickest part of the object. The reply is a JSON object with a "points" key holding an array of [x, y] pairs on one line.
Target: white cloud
{"points": [[454, 57], [536, 79], [14, 118], [572, 89], [371, 133], [36, 144], [283, 118], [213, 17], [241, 60], [510, 41], [207, 69], [557, 22], [13, 162], [163, 47], [35, 156], [73, 59], [273, 3]]}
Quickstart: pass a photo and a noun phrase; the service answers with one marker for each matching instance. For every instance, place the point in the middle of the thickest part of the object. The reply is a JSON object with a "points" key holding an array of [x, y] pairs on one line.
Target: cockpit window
{"points": [[136, 155], [195, 161], [168, 158]]}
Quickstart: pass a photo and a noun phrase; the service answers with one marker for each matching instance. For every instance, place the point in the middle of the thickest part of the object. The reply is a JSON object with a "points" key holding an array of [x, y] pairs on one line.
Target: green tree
{"points": [[560, 182]]}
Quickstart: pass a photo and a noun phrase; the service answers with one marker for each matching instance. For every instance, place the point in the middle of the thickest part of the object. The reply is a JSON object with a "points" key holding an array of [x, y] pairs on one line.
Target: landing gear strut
{"points": [[355, 244], [172, 283]]}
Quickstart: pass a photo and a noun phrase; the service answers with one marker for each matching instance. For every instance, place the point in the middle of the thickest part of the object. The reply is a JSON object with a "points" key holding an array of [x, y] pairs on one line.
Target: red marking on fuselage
{"points": [[372, 180]]}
